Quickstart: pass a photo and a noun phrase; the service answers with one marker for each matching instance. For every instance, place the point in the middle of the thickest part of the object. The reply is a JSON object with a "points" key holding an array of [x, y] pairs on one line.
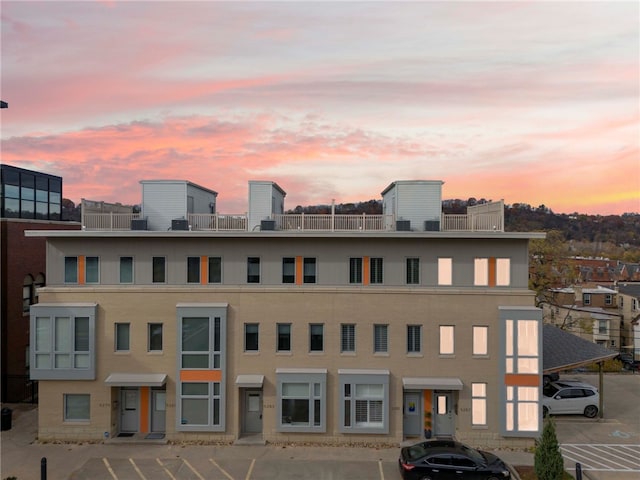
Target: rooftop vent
{"points": [[267, 225], [403, 225], [179, 224], [139, 224]]}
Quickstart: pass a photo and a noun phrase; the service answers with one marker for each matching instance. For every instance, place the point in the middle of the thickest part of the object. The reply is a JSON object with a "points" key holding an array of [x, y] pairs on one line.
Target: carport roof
{"points": [[563, 350]]}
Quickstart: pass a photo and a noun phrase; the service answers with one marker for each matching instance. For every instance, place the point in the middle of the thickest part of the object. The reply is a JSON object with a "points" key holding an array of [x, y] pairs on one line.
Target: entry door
{"points": [[158, 410], [412, 414], [253, 411], [444, 424], [129, 401]]}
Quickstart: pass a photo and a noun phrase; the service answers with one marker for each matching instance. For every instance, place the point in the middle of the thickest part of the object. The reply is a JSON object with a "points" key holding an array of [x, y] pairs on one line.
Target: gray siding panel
{"points": [[163, 202]]}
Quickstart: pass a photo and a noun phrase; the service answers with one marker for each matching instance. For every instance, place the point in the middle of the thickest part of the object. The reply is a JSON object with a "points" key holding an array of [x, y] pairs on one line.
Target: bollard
{"points": [[578, 471], [43, 468]]}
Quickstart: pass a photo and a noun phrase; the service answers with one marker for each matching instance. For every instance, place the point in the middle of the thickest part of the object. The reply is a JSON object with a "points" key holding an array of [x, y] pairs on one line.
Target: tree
{"points": [[548, 461], [550, 266]]}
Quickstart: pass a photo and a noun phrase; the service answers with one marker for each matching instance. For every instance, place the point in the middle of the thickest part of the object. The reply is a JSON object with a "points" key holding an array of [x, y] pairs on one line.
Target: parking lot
{"points": [[608, 449]]}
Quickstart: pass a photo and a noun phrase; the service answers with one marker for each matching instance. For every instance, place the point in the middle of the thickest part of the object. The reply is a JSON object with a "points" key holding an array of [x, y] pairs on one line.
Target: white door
{"points": [[444, 423], [129, 400], [412, 414], [253, 411], [158, 409]]}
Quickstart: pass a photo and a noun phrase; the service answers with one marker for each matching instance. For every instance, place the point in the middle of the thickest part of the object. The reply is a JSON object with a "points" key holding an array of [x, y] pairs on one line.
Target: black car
{"points": [[628, 362], [435, 459]]}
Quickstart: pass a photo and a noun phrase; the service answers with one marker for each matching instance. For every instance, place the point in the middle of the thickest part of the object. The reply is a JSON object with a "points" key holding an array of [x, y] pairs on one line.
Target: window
{"points": [[445, 271], [309, 270], [215, 270], [586, 299], [251, 337], [522, 409], [481, 271], [155, 337], [503, 272], [480, 339], [375, 270], [355, 270], [446, 340], [62, 340], [196, 400], [159, 269], [380, 338], [364, 401], [253, 270], [347, 337], [77, 407], [284, 337], [413, 338], [126, 269], [289, 270], [301, 400], [92, 270], [193, 269], [70, 269], [413, 271], [122, 337], [27, 293], [39, 282], [195, 342], [316, 337], [602, 327], [608, 299], [478, 404]]}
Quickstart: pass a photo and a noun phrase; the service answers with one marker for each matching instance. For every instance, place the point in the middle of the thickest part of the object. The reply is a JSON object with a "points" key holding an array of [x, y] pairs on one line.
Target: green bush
{"points": [[548, 461]]}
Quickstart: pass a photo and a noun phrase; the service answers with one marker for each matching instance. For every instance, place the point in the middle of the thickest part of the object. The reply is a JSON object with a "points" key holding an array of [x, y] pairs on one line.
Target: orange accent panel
{"points": [[144, 409], [365, 270], [201, 375], [299, 274], [492, 271], [204, 271], [81, 278], [521, 380]]}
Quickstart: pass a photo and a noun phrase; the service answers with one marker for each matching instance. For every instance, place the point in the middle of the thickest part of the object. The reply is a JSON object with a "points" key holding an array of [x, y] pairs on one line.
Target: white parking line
{"points": [[604, 457], [380, 468], [165, 469], [253, 462], [193, 469], [222, 469], [106, 463], [137, 469]]}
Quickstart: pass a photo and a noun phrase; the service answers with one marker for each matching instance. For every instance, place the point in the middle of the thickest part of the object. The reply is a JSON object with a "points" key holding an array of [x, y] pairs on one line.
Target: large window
{"points": [[284, 337], [380, 338], [159, 270], [77, 407], [355, 270], [195, 342], [63, 343], [253, 270], [413, 338], [126, 269], [193, 269], [316, 337], [375, 270], [480, 339], [301, 400], [251, 331], [447, 340], [445, 271], [122, 337], [154, 335], [413, 271], [479, 404], [347, 337], [364, 401]]}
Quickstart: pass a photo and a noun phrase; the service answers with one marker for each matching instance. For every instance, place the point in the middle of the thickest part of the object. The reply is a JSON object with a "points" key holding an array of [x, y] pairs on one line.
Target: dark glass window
{"points": [[215, 270], [284, 337], [159, 270], [193, 269], [251, 337], [288, 270], [253, 270], [355, 270], [316, 340], [309, 266]]}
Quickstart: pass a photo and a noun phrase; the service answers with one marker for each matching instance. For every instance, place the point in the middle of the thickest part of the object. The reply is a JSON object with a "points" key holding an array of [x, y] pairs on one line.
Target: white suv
{"points": [[563, 397]]}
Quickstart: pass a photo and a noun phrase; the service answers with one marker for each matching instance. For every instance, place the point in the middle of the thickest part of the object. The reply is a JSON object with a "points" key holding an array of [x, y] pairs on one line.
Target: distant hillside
{"points": [[621, 230]]}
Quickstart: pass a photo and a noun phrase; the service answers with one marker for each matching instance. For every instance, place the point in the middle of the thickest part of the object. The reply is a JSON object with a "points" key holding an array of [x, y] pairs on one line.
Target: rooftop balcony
{"points": [[470, 222]]}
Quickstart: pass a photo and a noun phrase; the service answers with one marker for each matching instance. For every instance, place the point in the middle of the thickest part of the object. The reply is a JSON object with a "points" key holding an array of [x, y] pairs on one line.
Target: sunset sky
{"points": [[530, 102]]}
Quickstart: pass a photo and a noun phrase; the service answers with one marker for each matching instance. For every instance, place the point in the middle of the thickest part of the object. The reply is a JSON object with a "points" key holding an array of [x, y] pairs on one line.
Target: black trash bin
{"points": [[5, 419]]}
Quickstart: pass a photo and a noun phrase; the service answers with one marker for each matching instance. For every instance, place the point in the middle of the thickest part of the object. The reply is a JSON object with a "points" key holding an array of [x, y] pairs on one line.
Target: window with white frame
{"points": [[302, 400], [478, 404], [355, 270], [364, 401], [480, 340], [586, 299], [414, 340], [447, 344], [126, 269], [608, 299], [122, 337], [375, 270], [481, 271], [413, 271], [347, 337], [380, 338], [445, 271], [522, 412], [77, 407], [603, 327], [503, 272]]}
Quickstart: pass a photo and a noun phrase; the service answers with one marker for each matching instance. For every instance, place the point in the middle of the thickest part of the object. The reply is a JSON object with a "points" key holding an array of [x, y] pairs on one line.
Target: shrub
{"points": [[548, 461]]}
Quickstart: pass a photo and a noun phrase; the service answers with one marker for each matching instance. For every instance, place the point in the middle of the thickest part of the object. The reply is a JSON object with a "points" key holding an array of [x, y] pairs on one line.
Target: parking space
{"points": [[604, 457]]}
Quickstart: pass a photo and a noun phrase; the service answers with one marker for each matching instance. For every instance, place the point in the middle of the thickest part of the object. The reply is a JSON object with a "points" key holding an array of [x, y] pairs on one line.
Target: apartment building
{"points": [[184, 323], [629, 308]]}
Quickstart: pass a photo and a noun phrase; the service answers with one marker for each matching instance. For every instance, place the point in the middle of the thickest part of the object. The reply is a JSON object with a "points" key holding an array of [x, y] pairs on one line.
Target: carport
{"points": [[562, 350]]}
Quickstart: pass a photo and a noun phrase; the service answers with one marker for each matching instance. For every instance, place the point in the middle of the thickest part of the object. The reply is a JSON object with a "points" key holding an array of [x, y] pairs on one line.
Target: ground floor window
{"points": [[200, 404], [364, 405], [302, 400], [523, 409], [77, 407]]}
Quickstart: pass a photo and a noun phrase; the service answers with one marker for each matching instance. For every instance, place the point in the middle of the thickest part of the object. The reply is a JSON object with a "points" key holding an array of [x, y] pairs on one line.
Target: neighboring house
{"points": [[591, 313], [29, 200], [199, 326], [629, 307]]}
